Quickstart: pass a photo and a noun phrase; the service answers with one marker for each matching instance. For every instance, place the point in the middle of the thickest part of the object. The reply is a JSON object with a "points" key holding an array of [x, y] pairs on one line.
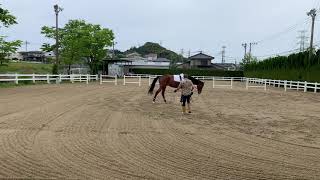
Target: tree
{"points": [[6, 18], [7, 48], [80, 40], [96, 40]]}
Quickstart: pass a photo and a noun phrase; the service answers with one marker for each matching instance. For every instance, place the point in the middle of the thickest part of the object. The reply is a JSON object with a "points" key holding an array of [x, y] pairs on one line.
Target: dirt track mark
{"points": [[115, 132]]}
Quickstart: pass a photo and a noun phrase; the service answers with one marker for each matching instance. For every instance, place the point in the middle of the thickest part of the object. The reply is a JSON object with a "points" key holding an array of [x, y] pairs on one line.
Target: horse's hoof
{"points": [[153, 102]]}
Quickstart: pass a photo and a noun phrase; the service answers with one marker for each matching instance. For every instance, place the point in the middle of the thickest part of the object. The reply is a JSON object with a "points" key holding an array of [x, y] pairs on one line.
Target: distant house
{"points": [[198, 61], [15, 56], [33, 56], [49, 55], [133, 55], [151, 56], [126, 65]]}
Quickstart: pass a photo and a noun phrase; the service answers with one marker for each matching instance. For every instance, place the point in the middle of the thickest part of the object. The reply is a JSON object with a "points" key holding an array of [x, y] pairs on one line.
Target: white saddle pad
{"points": [[177, 78]]}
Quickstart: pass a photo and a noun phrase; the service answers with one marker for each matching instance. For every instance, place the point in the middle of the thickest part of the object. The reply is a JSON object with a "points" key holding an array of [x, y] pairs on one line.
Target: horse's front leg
{"points": [[155, 96], [163, 91]]}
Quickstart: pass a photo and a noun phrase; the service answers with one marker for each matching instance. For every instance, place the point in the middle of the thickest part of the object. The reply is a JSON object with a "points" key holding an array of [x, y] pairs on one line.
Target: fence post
{"points": [[87, 80], [16, 79], [60, 78], [285, 85], [80, 77], [213, 82], [97, 77], [315, 87], [305, 86], [265, 84], [116, 80], [48, 79], [231, 82], [124, 80], [247, 84], [33, 79], [139, 81]]}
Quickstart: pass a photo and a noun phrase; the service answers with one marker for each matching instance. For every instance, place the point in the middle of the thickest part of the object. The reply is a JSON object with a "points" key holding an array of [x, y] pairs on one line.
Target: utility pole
{"points": [[189, 53], [57, 9], [223, 54], [182, 52], [313, 14], [26, 43], [113, 52], [302, 40], [245, 45]]}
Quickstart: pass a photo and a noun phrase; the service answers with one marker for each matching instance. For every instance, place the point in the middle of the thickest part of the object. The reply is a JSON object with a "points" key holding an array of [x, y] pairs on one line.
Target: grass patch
{"points": [[25, 68]]}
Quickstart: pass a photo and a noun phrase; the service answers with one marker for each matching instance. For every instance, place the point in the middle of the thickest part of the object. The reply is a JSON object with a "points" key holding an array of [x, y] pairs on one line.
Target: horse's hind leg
{"points": [[163, 91], [155, 96]]}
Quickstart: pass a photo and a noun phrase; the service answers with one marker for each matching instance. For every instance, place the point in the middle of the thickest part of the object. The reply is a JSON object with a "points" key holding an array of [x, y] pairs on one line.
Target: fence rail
{"points": [[47, 77], [250, 82]]}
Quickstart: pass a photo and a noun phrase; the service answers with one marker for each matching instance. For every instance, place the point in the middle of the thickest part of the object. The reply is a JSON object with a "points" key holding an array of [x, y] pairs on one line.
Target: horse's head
{"points": [[200, 86]]}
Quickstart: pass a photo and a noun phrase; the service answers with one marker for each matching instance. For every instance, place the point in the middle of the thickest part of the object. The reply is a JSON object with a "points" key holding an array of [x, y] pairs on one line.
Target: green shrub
{"points": [[192, 72]]}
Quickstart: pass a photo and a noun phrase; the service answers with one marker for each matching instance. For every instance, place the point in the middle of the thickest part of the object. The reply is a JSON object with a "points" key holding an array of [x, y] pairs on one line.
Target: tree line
{"points": [[297, 67], [80, 42], [301, 60]]}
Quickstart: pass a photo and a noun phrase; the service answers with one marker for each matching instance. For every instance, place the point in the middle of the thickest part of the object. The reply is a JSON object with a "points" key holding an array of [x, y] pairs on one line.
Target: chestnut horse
{"points": [[168, 80]]}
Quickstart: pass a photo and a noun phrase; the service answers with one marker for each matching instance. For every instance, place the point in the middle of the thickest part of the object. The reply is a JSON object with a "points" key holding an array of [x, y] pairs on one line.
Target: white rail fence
{"points": [[289, 85], [16, 78], [108, 79], [125, 80], [218, 79], [228, 82], [258, 83]]}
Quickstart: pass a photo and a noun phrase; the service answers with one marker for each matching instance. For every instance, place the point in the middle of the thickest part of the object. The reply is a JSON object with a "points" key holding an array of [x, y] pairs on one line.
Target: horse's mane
{"points": [[194, 80]]}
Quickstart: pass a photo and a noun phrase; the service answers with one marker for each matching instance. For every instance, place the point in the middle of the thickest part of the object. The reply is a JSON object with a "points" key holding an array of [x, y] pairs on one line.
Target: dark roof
{"points": [[162, 60], [116, 60], [201, 56]]}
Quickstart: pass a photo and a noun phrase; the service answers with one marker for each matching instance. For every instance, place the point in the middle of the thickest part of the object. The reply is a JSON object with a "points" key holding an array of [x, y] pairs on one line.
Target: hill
{"points": [[155, 48]]}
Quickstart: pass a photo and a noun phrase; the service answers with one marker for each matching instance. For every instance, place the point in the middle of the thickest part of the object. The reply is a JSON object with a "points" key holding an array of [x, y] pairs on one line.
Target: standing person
{"points": [[186, 87]]}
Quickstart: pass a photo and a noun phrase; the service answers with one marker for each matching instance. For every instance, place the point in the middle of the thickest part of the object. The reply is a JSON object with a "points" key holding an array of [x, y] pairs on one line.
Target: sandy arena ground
{"points": [[79, 131]]}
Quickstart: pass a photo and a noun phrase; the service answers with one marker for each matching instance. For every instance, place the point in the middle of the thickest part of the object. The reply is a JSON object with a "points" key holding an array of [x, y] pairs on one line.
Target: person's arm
{"points": [[179, 87]]}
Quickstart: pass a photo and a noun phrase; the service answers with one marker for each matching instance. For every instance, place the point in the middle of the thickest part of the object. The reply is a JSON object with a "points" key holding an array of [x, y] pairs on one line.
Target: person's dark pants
{"points": [[185, 99]]}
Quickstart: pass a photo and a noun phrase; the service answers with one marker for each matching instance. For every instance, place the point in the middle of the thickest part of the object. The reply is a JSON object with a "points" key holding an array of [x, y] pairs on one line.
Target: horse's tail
{"points": [[153, 85]]}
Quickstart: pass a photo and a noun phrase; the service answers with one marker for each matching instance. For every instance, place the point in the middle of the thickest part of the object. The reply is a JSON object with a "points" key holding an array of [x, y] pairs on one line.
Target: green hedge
{"points": [[311, 75], [192, 72]]}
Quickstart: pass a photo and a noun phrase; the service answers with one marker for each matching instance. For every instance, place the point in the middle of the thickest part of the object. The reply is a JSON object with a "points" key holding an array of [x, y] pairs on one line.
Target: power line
{"points": [[280, 53], [290, 28]]}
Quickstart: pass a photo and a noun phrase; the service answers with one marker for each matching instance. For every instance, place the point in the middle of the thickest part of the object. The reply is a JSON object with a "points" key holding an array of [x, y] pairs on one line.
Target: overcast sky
{"points": [[195, 25]]}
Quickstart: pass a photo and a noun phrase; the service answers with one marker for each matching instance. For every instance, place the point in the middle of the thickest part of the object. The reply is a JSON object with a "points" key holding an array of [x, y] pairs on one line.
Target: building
{"points": [[15, 56], [126, 65], [203, 61], [33, 56], [133, 55], [198, 61], [151, 57]]}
